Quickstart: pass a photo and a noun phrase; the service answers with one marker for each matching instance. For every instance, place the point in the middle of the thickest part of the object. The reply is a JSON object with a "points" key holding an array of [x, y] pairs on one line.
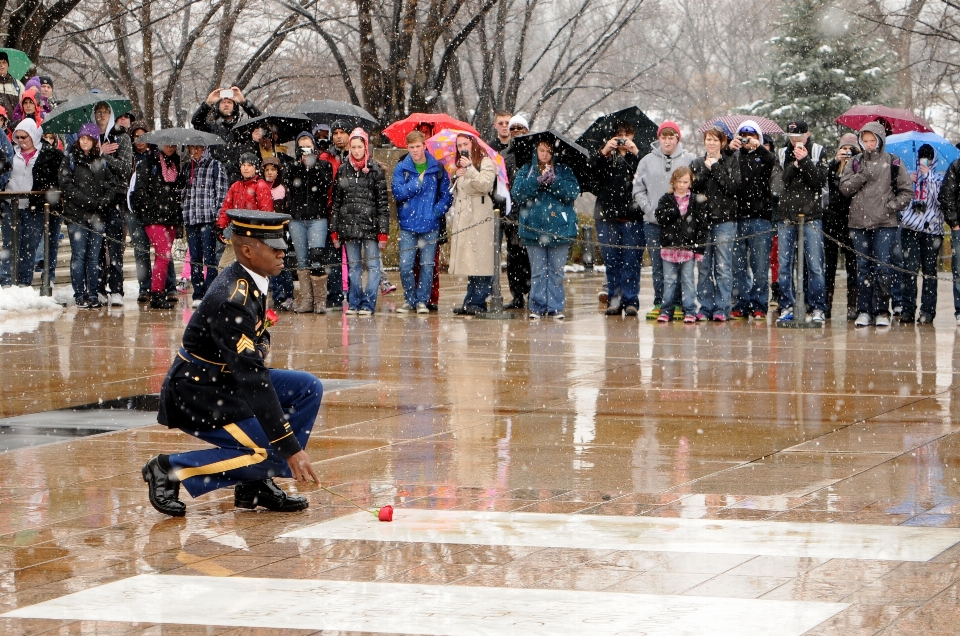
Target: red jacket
{"points": [[246, 194]]}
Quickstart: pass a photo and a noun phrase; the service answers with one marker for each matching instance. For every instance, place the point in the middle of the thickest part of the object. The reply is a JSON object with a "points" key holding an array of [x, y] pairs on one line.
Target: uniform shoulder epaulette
{"points": [[240, 291]]}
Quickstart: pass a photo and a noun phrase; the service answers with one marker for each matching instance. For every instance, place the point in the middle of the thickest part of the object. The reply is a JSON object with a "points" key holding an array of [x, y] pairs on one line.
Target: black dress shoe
{"points": [[462, 311], [433, 307], [267, 494], [164, 492], [516, 303]]}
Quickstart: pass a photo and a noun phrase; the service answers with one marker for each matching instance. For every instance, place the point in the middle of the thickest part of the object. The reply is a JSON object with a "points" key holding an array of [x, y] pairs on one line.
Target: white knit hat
{"points": [[519, 120]]}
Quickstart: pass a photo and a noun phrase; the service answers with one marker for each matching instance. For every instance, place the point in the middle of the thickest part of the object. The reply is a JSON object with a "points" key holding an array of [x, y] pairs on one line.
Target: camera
{"points": [[745, 140], [621, 142], [919, 207], [304, 151], [226, 93], [464, 153]]}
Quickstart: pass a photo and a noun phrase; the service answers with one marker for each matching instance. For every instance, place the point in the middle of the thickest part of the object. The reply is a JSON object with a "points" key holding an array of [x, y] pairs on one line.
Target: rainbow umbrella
{"points": [[443, 147]]}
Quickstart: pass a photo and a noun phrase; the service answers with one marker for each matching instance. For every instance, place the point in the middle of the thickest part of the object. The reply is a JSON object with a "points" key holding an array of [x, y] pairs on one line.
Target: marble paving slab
{"points": [[761, 538], [439, 610]]}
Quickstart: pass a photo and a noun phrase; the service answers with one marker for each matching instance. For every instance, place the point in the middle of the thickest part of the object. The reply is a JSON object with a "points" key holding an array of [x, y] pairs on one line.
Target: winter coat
{"points": [[10, 90], [652, 178], [45, 175], [613, 185], [6, 157], [801, 186], [89, 187], [121, 159], [471, 251], [923, 213], [229, 153], [866, 179], [308, 190], [334, 162], [754, 198], [949, 197], [837, 215], [360, 206], [420, 204], [155, 201], [690, 231], [246, 194], [719, 184], [546, 212]]}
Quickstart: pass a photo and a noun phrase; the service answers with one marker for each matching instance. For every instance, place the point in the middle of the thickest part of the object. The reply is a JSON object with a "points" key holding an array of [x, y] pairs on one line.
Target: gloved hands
{"points": [[547, 177]]}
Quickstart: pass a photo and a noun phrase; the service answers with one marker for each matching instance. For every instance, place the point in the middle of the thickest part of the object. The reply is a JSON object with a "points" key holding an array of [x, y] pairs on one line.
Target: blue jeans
{"points": [[30, 235], [751, 265], [478, 289], [411, 244], [874, 279], [920, 252], [300, 394], [202, 242], [621, 245], [651, 235], [685, 273], [360, 255], [546, 277], [141, 252], [815, 284], [309, 237], [85, 246], [715, 287]]}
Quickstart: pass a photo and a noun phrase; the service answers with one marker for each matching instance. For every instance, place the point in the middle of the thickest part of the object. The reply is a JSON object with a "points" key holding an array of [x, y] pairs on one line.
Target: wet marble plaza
{"points": [[593, 476]]}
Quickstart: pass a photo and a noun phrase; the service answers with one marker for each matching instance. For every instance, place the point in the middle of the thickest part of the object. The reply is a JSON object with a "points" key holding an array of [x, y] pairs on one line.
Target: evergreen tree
{"points": [[825, 62]]}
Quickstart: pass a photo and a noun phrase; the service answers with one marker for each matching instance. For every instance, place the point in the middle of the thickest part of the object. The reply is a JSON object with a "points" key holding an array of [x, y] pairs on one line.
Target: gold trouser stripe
{"points": [[259, 454]]}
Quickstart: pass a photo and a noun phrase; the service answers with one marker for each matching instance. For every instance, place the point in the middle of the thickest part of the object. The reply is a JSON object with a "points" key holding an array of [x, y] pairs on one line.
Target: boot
{"points": [[158, 300], [305, 304], [320, 298]]}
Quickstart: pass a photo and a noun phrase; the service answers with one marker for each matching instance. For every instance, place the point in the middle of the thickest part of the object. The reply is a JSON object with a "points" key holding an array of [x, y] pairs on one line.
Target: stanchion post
{"points": [[589, 246], [495, 308], [800, 309], [45, 287]]}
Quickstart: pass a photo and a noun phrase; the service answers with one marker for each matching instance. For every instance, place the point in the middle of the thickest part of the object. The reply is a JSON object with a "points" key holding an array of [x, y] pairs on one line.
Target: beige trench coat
{"points": [[471, 251]]}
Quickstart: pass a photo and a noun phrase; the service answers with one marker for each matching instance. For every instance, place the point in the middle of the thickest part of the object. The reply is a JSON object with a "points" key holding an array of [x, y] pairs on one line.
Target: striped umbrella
{"points": [[443, 147], [767, 126]]}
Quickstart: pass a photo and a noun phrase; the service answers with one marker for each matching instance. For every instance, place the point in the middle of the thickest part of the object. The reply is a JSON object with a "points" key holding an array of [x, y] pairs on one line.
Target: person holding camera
{"points": [[619, 219], [921, 235], [219, 114], [836, 217]]}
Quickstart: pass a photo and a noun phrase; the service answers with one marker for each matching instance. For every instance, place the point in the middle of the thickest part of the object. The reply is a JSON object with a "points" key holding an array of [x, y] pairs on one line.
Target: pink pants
{"points": [[161, 237]]}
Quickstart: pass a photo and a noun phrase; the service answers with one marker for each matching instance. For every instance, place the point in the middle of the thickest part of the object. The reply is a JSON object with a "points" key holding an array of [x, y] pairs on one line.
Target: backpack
{"points": [[815, 158]]}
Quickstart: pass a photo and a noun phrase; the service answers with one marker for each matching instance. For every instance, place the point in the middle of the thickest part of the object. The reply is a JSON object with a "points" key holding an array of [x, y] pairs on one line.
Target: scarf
{"points": [[169, 170], [360, 165]]}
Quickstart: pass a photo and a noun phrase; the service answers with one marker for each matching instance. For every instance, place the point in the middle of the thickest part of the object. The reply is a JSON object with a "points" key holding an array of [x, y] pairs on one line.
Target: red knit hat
{"points": [[669, 124]]}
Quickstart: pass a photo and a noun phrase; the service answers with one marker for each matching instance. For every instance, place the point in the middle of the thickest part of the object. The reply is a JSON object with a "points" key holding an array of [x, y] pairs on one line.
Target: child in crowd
{"points": [[684, 229]]}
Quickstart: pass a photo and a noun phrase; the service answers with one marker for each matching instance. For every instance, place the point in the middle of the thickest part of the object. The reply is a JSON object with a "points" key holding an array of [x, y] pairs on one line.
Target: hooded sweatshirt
{"points": [[21, 175], [923, 214], [32, 94], [652, 179], [867, 180], [754, 200], [120, 160]]}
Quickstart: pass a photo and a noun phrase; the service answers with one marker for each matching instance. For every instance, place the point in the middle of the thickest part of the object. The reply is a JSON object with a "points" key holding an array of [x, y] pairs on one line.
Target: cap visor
{"points": [[276, 243]]}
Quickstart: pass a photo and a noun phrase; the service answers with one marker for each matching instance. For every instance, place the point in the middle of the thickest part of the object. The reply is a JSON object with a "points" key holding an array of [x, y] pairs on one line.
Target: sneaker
{"points": [[351, 311], [925, 319], [863, 320], [365, 312], [602, 296], [736, 314], [786, 315], [556, 314], [702, 317], [102, 299], [654, 314], [433, 307], [689, 319], [613, 310], [83, 303], [194, 303], [883, 320], [183, 285], [817, 316], [286, 305], [386, 287], [906, 318], [631, 311], [897, 310], [677, 312], [94, 303], [534, 316], [663, 317], [422, 308], [759, 315], [719, 318], [144, 297], [405, 308]]}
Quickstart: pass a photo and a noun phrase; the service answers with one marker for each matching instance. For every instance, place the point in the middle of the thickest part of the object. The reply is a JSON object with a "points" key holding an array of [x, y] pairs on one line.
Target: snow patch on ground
{"points": [[20, 299]]}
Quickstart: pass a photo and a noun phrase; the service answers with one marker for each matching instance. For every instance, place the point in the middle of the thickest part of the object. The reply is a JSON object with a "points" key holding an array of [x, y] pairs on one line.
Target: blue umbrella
{"points": [[906, 145]]}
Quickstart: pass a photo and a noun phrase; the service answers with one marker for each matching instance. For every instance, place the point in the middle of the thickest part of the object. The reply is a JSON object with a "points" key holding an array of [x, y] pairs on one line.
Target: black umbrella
{"points": [[288, 125], [327, 111], [180, 137], [645, 131], [569, 153]]}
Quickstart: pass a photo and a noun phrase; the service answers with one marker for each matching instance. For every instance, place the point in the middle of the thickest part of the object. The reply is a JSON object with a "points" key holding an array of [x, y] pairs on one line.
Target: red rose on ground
{"points": [[385, 513]]}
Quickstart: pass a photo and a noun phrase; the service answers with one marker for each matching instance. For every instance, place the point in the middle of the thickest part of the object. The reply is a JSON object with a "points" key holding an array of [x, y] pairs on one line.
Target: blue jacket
{"points": [[546, 213], [420, 204], [7, 149]]}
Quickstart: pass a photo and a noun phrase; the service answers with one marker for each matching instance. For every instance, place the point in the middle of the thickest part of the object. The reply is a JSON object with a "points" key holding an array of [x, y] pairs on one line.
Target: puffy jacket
{"points": [[228, 154], [89, 186], [155, 201], [949, 197], [546, 213], [246, 194], [801, 187], [420, 204], [866, 179], [754, 200], [719, 185], [360, 208], [46, 176], [308, 190], [613, 178], [652, 179], [691, 230]]}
